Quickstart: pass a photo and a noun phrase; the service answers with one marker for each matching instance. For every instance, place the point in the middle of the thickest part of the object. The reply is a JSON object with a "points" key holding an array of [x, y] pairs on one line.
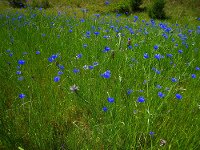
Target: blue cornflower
{"points": [[61, 67], [43, 34], [141, 99], [95, 64], [178, 96], [107, 2], [82, 20], [91, 67], [158, 56], [37, 52], [105, 109], [79, 56], [173, 79], [96, 33], [106, 74], [18, 72], [76, 70], [60, 72], [130, 47], [21, 96], [197, 68], [21, 62], [52, 58], [129, 91], [11, 54], [110, 100], [193, 76], [161, 95], [180, 51], [155, 47], [146, 55], [151, 133], [135, 18], [169, 55], [85, 45], [157, 71], [57, 79], [70, 30], [158, 86], [106, 49], [21, 78]]}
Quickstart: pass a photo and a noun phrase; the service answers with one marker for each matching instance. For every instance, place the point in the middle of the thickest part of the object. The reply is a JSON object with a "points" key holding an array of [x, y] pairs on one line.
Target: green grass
{"points": [[52, 117]]}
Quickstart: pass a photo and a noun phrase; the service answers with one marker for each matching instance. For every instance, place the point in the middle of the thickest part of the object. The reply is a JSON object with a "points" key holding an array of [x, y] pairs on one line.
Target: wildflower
{"points": [[37, 52], [129, 41], [21, 78], [57, 79], [61, 67], [18, 72], [91, 67], [178, 96], [96, 33], [95, 64], [105, 109], [158, 86], [79, 56], [129, 91], [180, 51], [169, 55], [146, 55], [21, 62], [107, 2], [193, 76], [158, 56], [161, 95], [85, 67], [173, 79], [155, 47], [110, 100], [74, 88], [85, 45], [60, 72], [130, 47], [76, 70], [21, 96], [106, 74], [162, 142], [197, 68], [141, 99], [106, 49], [151, 133]]}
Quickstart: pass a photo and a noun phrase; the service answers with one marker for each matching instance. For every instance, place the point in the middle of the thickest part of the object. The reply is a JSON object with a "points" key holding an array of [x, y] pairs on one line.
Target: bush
{"points": [[156, 11], [135, 5], [40, 4], [17, 3], [122, 7]]}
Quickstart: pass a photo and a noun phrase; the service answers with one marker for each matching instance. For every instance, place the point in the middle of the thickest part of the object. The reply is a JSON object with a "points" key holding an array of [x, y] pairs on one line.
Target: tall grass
{"points": [[120, 65]]}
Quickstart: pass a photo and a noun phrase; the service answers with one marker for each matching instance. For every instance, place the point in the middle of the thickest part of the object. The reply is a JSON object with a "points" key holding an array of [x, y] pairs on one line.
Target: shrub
{"points": [[40, 4], [135, 5], [122, 7], [17, 3], [156, 11]]}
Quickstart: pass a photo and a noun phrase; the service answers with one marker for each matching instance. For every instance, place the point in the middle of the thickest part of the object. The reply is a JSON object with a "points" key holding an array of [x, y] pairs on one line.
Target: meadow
{"points": [[98, 82]]}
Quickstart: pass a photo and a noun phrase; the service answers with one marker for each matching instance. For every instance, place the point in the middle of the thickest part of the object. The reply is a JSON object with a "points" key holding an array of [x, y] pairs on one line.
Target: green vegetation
{"points": [[156, 11], [76, 80]]}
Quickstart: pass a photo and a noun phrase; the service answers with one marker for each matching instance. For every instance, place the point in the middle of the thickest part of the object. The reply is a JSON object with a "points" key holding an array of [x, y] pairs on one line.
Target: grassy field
{"points": [[77, 80]]}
